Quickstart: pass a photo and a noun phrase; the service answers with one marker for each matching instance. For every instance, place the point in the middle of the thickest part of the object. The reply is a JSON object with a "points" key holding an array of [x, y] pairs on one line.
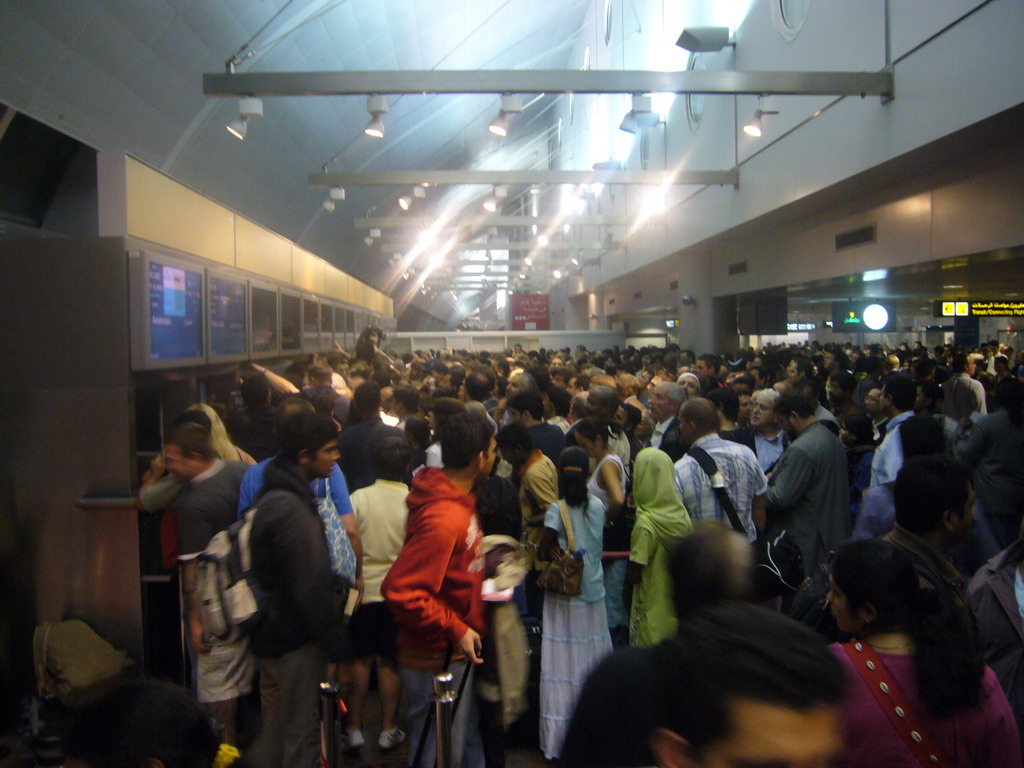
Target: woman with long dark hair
{"points": [[918, 692], [575, 635]]}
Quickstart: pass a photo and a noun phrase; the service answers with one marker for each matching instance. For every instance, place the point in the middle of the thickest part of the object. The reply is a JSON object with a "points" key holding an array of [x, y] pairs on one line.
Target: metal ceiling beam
{"points": [[516, 178], [482, 222], [554, 245], [497, 81]]}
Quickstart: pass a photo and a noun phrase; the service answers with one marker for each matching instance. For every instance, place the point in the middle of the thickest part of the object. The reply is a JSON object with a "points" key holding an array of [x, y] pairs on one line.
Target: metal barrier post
{"points": [[330, 726], [444, 703]]}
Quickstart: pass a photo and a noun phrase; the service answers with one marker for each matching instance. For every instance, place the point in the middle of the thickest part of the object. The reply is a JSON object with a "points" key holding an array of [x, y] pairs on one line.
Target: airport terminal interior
{"points": [[193, 190]]}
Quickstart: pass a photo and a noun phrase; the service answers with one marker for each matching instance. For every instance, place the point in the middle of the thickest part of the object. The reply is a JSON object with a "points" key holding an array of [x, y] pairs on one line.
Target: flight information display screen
{"points": [[175, 312], [264, 320], [227, 317], [310, 323], [291, 322]]}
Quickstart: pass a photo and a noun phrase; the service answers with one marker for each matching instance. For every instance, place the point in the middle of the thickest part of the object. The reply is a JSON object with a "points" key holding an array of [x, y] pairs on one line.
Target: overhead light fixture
{"points": [[575, 262], [419, 193], [490, 205], [337, 193], [368, 240], [511, 104], [640, 116], [608, 165], [629, 123], [522, 277], [375, 233], [704, 39], [248, 107], [756, 127], [376, 105], [528, 261], [542, 239], [328, 205], [404, 203], [557, 274]]}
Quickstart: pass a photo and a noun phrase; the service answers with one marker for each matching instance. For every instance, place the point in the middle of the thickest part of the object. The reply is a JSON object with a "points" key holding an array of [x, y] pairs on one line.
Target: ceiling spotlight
{"points": [[511, 104], [542, 239], [629, 123], [756, 127], [557, 274], [522, 277], [337, 193], [640, 116], [704, 39], [575, 262], [490, 205], [528, 261], [374, 233], [403, 203], [328, 205], [419, 193], [376, 105], [237, 128], [368, 240]]}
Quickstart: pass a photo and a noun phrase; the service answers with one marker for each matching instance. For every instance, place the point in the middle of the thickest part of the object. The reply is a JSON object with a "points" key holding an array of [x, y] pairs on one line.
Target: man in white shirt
{"points": [[963, 395]]}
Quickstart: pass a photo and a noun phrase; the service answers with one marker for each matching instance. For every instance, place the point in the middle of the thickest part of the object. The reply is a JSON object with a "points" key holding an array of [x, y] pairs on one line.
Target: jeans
{"points": [[418, 692]]}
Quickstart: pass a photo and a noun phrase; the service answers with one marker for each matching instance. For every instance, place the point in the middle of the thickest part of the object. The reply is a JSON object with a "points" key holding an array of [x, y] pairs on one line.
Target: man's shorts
{"points": [[226, 672], [373, 631]]}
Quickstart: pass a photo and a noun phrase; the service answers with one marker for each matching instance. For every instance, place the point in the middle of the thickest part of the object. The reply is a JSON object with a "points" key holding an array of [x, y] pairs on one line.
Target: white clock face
{"points": [[875, 316]]}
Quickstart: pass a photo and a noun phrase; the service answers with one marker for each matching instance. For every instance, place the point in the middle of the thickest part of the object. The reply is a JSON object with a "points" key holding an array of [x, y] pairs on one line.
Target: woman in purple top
{"points": [[910, 646]]}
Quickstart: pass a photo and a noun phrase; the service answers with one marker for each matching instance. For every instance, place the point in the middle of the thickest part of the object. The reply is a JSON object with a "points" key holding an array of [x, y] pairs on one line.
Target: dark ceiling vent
{"points": [[611, 301], [673, 285], [638, 294], [856, 237], [738, 268]]}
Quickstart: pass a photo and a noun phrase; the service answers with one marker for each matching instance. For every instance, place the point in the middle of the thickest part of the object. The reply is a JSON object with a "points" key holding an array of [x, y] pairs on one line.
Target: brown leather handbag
{"points": [[563, 573]]}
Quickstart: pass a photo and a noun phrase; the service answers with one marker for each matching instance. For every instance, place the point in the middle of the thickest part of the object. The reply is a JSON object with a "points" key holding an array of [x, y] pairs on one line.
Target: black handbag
{"points": [[778, 563]]}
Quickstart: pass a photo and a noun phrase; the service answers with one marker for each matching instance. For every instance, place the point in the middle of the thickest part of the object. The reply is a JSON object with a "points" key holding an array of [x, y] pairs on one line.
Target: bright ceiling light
{"points": [[511, 104], [528, 261], [337, 193], [490, 205], [522, 277], [875, 274], [575, 262], [557, 274], [374, 233], [499, 126], [368, 240], [755, 127], [404, 203], [328, 205], [376, 105], [542, 239], [566, 228], [237, 128], [419, 193]]}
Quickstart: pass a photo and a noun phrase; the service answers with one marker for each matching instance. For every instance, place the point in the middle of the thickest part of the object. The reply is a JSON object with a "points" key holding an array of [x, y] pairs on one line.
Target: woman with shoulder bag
{"points": [[575, 636]]}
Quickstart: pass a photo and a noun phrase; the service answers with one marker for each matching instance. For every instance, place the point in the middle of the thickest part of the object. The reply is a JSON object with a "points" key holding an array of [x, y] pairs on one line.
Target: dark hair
{"points": [[933, 392], [949, 670], [192, 440], [926, 487], [634, 416], [443, 409], [902, 390], [1010, 397], [320, 374], [417, 432], [479, 385], [140, 721], [844, 380], [920, 436], [366, 400], [514, 436], [255, 391], [463, 436], [734, 651], [560, 400], [744, 380], [529, 402], [804, 407], [573, 466], [391, 459], [803, 365], [194, 416], [304, 431], [726, 399], [924, 367], [859, 425], [592, 428], [408, 397], [711, 564], [959, 363]]}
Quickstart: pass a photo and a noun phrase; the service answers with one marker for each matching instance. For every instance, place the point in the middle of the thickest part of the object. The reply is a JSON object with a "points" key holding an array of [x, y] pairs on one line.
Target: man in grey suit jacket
{"points": [[809, 493]]}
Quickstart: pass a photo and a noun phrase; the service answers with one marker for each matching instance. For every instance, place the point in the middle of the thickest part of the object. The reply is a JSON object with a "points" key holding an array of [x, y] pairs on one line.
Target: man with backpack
{"points": [[224, 669], [301, 627]]}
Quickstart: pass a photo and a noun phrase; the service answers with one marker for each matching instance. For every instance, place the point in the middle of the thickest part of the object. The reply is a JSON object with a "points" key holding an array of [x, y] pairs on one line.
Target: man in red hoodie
{"points": [[434, 587]]}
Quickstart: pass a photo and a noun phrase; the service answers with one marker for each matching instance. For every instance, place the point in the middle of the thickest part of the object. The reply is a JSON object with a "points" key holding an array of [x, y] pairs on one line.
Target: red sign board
{"points": [[530, 312]]}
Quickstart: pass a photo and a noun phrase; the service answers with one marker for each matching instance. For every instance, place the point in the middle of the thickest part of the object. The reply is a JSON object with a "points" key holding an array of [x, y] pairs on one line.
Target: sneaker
{"points": [[354, 740], [390, 739]]}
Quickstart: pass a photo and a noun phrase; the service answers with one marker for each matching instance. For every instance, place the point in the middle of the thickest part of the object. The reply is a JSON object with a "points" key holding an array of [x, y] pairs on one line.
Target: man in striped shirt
{"points": [[745, 481]]}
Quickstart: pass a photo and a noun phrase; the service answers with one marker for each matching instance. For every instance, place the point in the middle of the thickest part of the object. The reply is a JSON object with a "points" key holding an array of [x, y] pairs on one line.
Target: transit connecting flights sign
{"points": [[966, 308]]}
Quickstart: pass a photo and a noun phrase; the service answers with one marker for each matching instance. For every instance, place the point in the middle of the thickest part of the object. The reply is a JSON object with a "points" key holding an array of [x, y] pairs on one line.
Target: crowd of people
{"points": [[405, 507]]}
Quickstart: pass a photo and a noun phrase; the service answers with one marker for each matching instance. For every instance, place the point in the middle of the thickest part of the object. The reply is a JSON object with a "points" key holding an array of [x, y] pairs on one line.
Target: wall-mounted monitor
{"points": [[226, 317], [291, 321], [310, 323], [167, 308], [263, 319]]}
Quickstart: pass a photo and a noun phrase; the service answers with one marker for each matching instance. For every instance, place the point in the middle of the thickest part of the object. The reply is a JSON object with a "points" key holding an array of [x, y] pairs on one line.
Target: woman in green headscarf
{"points": [[661, 521]]}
